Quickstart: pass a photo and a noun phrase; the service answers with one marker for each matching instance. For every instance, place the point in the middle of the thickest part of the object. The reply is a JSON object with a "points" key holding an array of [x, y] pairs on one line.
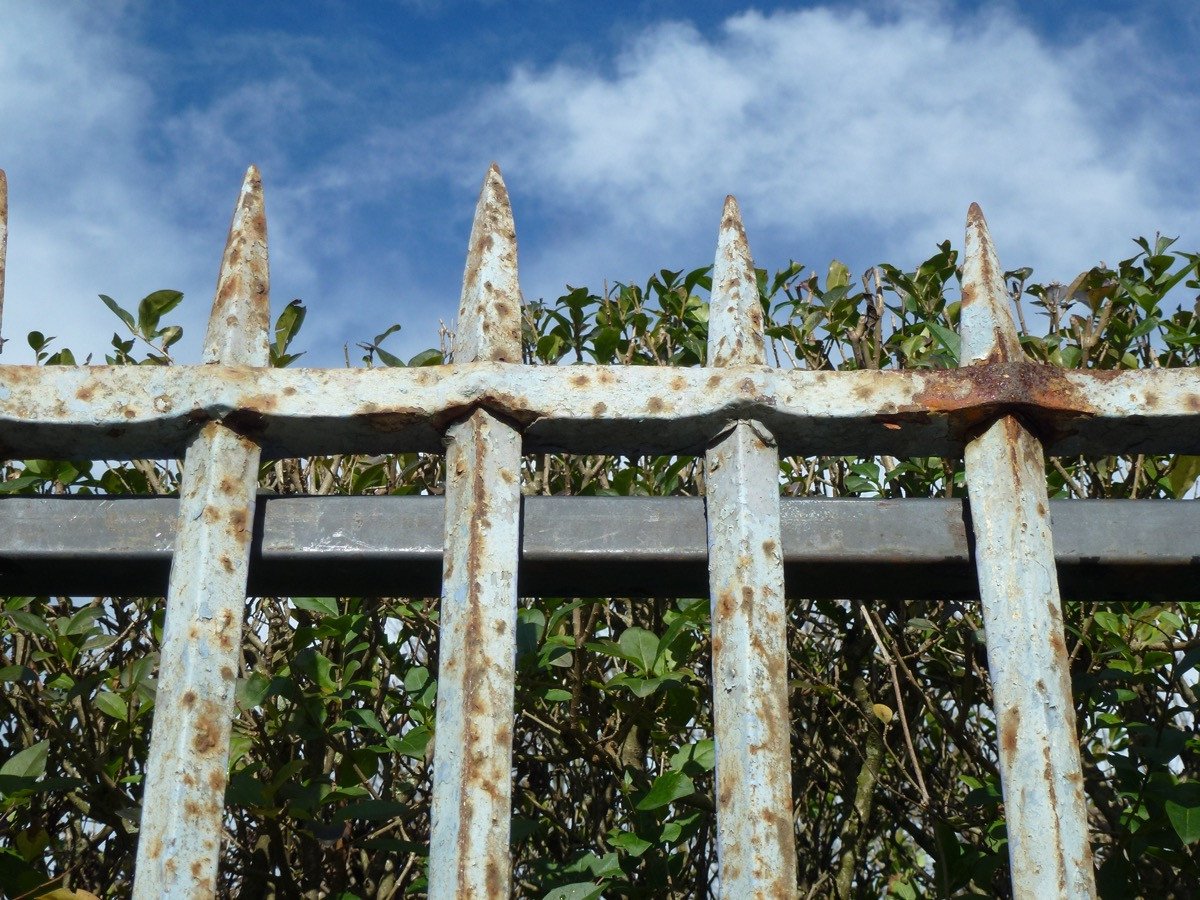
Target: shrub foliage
{"points": [[894, 769]]}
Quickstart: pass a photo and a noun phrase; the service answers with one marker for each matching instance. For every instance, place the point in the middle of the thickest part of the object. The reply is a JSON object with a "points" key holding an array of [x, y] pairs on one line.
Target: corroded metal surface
{"points": [[3, 244], [472, 760], [125, 412], [182, 807], [1040, 769], [756, 843]]}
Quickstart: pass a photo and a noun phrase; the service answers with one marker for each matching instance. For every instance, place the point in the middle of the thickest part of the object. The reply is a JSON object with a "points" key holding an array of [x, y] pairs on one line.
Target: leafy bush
{"points": [[890, 702]]}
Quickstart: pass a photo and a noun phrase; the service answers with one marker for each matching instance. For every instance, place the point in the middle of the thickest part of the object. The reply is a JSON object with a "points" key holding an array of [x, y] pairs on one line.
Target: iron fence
{"points": [[741, 543]]}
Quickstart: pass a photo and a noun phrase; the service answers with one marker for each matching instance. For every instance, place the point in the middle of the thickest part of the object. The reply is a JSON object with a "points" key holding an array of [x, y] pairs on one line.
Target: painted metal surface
{"points": [[998, 409], [756, 841], [472, 761], [129, 412], [3, 245], [182, 807], [843, 548], [1040, 770]]}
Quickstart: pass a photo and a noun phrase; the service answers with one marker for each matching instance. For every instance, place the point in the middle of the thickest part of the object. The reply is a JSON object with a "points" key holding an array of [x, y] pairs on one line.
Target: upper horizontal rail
{"points": [[617, 546], [125, 412]]}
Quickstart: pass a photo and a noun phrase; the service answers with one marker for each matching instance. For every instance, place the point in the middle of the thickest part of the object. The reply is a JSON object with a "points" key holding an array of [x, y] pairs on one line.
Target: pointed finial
{"points": [[240, 321], [735, 318], [3, 242], [489, 314], [986, 329]]}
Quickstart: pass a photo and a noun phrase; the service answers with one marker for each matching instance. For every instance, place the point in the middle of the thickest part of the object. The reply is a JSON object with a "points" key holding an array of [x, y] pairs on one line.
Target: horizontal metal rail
{"points": [[127, 412], [618, 546]]}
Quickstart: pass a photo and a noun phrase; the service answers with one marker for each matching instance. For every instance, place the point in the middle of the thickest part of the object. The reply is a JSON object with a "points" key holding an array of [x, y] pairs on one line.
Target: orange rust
{"points": [[1010, 723], [599, 409], [189, 698], [769, 547], [208, 730], [227, 673], [655, 405], [238, 521], [580, 380]]}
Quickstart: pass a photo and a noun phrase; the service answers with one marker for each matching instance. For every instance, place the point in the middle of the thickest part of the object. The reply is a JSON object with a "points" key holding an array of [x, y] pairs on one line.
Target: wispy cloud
{"points": [[848, 133]]}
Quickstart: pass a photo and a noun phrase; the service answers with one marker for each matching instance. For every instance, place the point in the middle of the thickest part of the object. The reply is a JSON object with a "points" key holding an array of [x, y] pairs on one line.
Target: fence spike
{"points": [[472, 761], [1040, 770], [987, 330], [182, 808], [489, 315], [3, 246], [755, 836], [239, 324], [735, 320]]}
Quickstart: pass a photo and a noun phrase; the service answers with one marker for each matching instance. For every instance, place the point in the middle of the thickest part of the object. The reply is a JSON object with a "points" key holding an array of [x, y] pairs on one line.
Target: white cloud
{"points": [[861, 134], [86, 215]]}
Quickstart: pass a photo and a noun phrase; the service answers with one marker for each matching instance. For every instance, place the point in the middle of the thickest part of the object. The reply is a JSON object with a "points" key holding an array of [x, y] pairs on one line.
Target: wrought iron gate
{"points": [[999, 410]]}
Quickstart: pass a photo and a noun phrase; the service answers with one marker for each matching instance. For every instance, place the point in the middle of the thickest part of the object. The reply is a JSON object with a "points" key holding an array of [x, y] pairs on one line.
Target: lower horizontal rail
{"points": [[610, 546]]}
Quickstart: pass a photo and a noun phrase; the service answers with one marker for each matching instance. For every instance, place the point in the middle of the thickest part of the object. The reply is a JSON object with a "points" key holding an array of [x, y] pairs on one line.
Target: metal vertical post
{"points": [[1040, 770], [3, 245], [182, 807], [755, 837], [472, 763]]}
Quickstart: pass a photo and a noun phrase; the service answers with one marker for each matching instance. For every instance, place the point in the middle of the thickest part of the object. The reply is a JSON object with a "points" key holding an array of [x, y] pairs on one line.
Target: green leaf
{"points": [[431, 357], [152, 308], [287, 326], [947, 338], [365, 718], [838, 275], [640, 647], [667, 788], [703, 753], [413, 743], [1184, 812], [323, 606], [29, 763], [122, 314], [111, 705], [630, 843], [580, 890], [32, 623]]}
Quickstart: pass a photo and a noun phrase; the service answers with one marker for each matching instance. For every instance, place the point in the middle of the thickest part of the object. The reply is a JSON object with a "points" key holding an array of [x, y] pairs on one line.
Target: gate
{"points": [[998, 410]]}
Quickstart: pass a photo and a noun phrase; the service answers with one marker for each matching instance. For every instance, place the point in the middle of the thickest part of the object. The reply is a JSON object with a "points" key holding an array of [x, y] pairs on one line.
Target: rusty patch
{"points": [[208, 731], [189, 698], [1010, 723]]}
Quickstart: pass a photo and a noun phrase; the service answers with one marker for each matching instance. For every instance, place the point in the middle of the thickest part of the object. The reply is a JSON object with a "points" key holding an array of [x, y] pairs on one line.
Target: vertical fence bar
{"points": [[1040, 770], [755, 836], [472, 762], [182, 807], [3, 246]]}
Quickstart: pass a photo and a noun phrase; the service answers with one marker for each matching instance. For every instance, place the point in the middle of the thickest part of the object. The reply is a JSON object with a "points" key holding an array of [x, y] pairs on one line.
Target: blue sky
{"points": [[858, 131]]}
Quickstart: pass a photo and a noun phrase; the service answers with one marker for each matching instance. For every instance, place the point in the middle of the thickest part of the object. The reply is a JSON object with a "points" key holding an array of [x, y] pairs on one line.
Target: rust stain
{"points": [[208, 731], [1010, 723]]}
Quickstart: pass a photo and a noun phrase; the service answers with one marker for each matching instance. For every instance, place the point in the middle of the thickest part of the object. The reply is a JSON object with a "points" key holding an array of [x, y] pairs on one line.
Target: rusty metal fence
{"points": [[1000, 411]]}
